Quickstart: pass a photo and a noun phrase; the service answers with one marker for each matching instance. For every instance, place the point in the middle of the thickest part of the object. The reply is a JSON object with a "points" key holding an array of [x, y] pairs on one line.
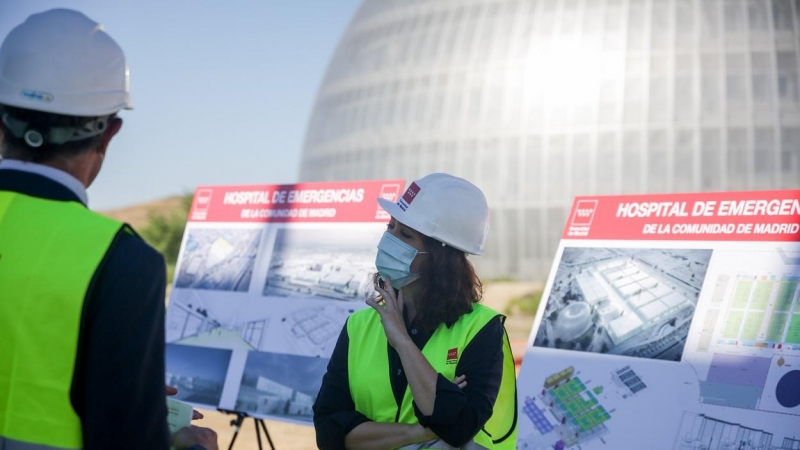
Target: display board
{"points": [[266, 277], [669, 322]]}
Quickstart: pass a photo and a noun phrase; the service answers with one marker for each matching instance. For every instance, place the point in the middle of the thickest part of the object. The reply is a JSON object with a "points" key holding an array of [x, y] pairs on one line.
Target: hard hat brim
{"points": [[403, 217], [393, 210]]}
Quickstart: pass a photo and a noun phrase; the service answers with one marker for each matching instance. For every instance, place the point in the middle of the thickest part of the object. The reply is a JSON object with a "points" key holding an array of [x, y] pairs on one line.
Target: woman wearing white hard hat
{"points": [[426, 366]]}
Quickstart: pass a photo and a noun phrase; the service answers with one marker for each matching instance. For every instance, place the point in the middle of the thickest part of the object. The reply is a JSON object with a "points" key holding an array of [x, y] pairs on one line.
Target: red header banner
{"points": [[712, 216], [350, 201]]}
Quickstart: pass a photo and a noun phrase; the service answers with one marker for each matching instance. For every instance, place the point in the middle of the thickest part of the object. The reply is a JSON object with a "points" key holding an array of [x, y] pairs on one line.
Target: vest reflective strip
{"points": [[11, 444], [502, 426], [377, 402], [49, 252]]}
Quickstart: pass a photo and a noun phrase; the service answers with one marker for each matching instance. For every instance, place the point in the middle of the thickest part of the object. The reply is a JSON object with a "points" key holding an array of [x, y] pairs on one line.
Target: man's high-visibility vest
{"points": [[49, 253], [371, 388]]}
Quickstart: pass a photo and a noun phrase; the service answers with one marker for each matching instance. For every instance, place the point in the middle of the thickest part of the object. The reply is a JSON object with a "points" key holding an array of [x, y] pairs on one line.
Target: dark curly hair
{"points": [[448, 285]]}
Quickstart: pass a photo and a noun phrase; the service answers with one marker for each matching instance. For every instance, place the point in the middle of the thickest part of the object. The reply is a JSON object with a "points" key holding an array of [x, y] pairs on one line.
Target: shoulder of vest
{"points": [[480, 314], [98, 219], [104, 218], [362, 315], [361, 323], [485, 311], [74, 209], [476, 319]]}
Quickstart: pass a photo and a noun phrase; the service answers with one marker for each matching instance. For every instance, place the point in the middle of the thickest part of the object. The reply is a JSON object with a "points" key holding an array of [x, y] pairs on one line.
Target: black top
{"points": [[458, 415], [118, 384]]}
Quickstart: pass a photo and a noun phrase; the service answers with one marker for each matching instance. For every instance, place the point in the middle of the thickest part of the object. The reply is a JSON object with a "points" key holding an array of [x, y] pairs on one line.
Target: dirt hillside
{"points": [[137, 215]]}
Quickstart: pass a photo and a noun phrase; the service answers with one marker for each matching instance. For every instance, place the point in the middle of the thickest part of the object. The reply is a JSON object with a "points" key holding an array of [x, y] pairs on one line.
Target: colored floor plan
{"points": [[759, 312], [569, 408], [754, 344]]}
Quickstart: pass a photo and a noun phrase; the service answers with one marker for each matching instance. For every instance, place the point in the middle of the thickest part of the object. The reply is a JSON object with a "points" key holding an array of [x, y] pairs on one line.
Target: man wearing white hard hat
{"points": [[81, 295], [426, 366]]}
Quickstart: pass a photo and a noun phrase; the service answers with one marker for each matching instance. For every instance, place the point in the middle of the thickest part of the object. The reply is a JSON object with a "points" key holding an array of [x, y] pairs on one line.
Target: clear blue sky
{"points": [[223, 90]]}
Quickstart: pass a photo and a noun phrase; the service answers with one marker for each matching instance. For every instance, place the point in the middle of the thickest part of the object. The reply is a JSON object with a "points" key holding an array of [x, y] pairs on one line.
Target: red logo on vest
{"points": [[452, 356]]}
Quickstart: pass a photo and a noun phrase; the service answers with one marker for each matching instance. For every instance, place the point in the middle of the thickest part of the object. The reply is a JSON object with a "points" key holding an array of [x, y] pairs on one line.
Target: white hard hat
{"points": [[62, 62], [449, 209]]}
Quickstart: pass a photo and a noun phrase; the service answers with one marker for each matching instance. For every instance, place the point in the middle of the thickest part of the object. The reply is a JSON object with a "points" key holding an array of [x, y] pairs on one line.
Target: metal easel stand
{"points": [[237, 425]]}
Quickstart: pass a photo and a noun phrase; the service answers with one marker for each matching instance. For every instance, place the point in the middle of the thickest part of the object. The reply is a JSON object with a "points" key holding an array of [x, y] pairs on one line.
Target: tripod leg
{"points": [[237, 425], [258, 433], [266, 432]]}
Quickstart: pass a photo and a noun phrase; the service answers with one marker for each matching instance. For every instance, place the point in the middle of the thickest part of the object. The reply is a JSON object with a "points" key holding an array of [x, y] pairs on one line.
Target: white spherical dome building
{"points": [[538, 101]]}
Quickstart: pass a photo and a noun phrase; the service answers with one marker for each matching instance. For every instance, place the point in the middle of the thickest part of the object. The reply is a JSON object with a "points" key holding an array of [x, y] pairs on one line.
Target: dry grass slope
{"points": [[137, 215]]}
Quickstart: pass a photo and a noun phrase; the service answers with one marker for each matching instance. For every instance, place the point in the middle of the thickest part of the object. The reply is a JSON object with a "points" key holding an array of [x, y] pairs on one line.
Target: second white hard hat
{"points": [[62, 62], [449, 209]]}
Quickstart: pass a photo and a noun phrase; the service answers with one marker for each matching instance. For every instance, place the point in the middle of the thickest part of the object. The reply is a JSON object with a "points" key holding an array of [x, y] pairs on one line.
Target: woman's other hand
{"points": [[423, 434]]}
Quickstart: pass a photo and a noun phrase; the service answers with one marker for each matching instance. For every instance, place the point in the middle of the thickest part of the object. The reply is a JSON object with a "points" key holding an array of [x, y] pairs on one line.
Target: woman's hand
{"points": [[391, 312], [423, 434], [460, 381], [381, 435]]}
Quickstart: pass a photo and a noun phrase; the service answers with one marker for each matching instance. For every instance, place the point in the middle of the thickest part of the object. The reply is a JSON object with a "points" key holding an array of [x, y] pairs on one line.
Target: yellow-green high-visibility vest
{"points": [[49, 253], [371, 388]]}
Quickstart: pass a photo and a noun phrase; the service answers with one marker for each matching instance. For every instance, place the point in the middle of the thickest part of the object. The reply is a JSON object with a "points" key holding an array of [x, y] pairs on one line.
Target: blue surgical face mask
{"points": [[394, 260]]}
